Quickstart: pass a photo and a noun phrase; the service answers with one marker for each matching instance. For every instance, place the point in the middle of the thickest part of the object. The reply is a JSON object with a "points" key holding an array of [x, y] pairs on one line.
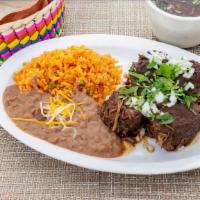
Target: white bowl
{"points": [[177, 30]]}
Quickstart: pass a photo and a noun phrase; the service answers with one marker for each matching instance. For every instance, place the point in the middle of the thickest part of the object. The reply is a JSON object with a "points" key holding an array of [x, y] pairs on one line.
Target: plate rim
{"points": [[86, 161]]}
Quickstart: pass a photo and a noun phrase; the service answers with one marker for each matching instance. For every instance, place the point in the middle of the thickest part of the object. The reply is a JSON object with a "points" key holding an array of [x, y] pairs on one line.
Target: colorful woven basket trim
{"points": [[49, 26]]}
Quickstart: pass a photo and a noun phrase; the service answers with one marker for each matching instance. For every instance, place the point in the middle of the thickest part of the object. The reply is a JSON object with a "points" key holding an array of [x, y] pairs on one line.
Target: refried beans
{"points": [[90, 137]]}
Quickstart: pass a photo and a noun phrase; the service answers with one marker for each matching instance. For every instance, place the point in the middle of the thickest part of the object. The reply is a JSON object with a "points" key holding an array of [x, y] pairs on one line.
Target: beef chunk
{"points": [[141, 65], [122, 120], [141, 68], [180, 133], [196, 106]]}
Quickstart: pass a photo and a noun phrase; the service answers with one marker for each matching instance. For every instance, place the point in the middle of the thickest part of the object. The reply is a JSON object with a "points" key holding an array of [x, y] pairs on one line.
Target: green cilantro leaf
{"points": [[163, 84], [187, 100], [132, 90], [140, 77], [169, 71], [166, 71], [152, 64], [197, 95], [132, 69], [128, 102], [166, 118], [177, 70], [122, 97], [147, 73], [144, 92]]}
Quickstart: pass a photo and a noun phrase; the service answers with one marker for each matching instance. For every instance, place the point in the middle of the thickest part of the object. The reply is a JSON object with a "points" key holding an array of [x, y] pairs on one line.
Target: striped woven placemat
{"points": [[26, 174]]}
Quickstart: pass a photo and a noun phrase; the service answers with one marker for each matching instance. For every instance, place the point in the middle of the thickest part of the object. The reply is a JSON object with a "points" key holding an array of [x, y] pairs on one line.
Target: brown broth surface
{"points": [[190, 8], [91, 137]]}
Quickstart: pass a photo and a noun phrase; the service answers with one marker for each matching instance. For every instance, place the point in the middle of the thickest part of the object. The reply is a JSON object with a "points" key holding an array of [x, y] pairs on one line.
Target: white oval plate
{"points": [[125, 49]]}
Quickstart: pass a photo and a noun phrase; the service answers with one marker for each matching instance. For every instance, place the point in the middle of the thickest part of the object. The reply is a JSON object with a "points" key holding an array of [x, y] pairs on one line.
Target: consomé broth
{"points": [[185, 8]]}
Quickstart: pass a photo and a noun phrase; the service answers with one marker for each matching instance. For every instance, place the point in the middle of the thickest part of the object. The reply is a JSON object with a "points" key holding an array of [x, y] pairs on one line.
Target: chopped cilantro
{"points": [[187, 100], [163, 80], [152, 64], [163, 84], [132, 90], [177, 70], [147, 73], [140, 77], [144, 92], [122, 97], [132, 69], [166, 118], [197, 95], [150, 96], [169, 71], [166, 71], [128, 102]]}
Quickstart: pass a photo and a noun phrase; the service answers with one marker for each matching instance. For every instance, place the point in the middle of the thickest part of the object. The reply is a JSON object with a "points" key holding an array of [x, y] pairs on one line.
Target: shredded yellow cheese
{"points": [[43, 122], [58, 112]]}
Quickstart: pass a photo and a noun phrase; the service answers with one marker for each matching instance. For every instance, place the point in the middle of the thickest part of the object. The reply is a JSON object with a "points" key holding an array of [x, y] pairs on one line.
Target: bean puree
{"points": [[90, 137]]}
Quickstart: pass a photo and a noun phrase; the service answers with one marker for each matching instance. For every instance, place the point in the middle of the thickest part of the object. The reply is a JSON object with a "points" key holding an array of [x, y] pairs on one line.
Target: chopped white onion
{"points": [[154, 108], [158, 56], [172, 99], [146, 109], [189, 86], [159, 98], [184, 64], [133, 101], [189, 74]]}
